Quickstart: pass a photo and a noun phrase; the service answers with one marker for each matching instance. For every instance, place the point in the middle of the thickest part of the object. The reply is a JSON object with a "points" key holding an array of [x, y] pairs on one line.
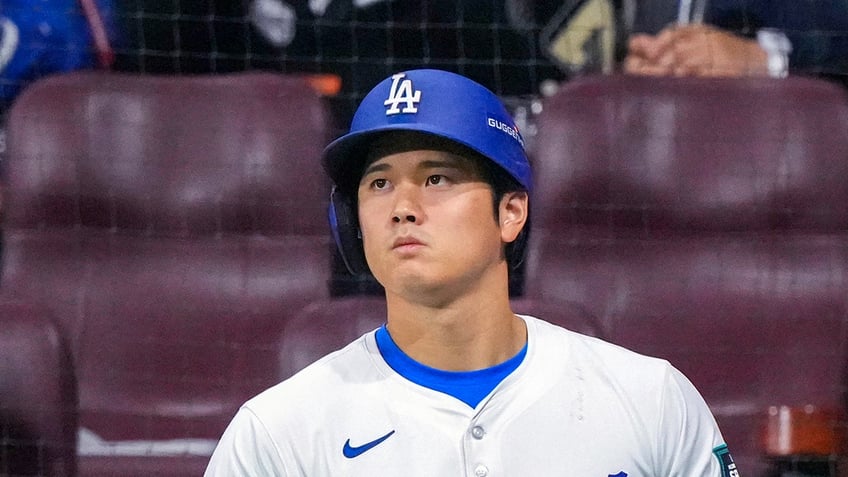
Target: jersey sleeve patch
{"points": [[725, 460]]}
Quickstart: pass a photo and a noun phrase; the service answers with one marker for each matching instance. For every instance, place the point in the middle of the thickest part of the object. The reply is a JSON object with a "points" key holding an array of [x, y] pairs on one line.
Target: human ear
{"points": [[513, 213]]}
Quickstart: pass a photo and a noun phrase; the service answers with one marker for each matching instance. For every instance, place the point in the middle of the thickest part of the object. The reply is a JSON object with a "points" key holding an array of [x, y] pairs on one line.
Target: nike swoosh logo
{"points": [[350, 451]]}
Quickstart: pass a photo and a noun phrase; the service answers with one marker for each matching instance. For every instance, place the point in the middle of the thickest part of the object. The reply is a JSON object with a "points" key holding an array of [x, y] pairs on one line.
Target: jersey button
{"points": [[477, 432], [481, 471]]}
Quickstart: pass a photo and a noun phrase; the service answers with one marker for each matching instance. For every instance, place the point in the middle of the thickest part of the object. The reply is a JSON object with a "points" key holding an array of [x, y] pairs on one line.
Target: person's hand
{"points": [[695, 50], [651, 55]]}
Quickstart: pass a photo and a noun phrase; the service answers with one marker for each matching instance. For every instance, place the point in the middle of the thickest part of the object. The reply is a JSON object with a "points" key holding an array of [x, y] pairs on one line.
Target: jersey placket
{"points": [[480, 447]]}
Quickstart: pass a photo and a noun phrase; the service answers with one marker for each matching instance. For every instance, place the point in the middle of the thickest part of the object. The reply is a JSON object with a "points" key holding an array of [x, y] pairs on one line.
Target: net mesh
{"points": [[512, 47], [360, 44]]}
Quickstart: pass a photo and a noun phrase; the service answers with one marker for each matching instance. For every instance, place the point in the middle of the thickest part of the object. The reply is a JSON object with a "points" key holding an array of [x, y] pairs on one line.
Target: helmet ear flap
{"points": [[344, 224]]}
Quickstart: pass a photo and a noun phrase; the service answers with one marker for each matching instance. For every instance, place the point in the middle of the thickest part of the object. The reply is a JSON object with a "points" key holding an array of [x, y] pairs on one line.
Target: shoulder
{"points": [[644, 379], [268, 429], [548, 334], [659, 402], [599, 359], [319, 384]]}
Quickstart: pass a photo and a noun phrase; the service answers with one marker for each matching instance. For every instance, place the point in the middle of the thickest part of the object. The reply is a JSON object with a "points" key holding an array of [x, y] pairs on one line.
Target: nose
{"points": [[406, 207], [403, 218]]}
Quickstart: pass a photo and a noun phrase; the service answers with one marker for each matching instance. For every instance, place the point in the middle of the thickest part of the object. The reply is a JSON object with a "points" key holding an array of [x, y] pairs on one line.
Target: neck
{"points": [[475, 330]]}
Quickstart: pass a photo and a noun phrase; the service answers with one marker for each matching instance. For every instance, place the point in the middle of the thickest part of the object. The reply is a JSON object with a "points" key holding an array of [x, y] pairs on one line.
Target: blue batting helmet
{"points": [[427, 101]]}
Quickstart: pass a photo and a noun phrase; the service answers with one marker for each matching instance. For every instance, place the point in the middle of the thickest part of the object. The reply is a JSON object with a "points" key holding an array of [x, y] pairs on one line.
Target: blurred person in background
{"points": [[43, 37], [733, 38], [713, 38], [476, 38]]}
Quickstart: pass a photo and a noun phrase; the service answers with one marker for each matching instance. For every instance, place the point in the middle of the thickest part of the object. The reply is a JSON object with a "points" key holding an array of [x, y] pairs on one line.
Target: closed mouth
{"points": [[404, 242]]}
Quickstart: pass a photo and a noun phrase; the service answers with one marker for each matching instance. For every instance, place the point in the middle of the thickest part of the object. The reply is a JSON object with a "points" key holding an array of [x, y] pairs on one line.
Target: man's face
{"points": [[428, 223]]}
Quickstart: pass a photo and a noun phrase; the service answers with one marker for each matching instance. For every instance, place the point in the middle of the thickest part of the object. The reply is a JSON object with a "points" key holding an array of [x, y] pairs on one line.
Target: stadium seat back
{"points": [[704, 221], [169, 224]]}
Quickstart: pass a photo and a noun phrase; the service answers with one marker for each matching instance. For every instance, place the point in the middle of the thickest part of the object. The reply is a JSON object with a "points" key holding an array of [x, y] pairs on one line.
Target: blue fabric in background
{"points": [[43, 37]]}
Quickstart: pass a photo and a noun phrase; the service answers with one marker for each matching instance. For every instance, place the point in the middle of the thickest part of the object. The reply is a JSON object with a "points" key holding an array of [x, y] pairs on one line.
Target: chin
{"points": [[408, 281], [420, 286]]}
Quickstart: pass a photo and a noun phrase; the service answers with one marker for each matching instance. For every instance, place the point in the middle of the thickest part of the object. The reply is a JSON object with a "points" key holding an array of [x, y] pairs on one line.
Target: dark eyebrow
{"points": [[376, 168], [451, 163], [428, 164]]}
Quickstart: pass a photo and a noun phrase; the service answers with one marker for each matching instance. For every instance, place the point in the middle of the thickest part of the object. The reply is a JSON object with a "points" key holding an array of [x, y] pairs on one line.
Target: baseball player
{"points": [[431, 195]]}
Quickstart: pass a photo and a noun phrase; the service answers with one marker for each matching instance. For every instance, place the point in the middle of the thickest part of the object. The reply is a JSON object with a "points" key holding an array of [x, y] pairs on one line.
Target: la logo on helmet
{"points": [[401, 92]]}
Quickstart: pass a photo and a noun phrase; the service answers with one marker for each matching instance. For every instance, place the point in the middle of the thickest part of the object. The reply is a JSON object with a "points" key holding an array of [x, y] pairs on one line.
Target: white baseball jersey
{"points": [[575, 406]]}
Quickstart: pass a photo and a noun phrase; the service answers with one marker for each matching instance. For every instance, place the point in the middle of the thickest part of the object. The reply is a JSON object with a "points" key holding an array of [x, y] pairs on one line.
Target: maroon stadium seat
{"points": [[38, 399], [704, 221], [169, 224], [327, 325]]}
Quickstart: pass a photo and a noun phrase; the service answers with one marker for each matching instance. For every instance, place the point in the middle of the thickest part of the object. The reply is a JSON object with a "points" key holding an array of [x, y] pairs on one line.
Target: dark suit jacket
{"points": [[818, 29]]}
